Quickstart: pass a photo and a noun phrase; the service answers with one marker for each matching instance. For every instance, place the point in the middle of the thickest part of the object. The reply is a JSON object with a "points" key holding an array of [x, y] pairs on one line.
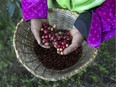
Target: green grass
{"points": [[12, 74]]}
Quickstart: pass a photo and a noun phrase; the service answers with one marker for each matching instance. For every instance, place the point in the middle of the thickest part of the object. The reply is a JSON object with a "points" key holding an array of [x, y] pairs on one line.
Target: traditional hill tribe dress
{"points": [[97, 20]]}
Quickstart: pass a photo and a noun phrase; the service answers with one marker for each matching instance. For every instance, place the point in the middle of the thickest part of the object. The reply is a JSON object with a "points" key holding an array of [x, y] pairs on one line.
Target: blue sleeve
{"points": [[83, 22]]}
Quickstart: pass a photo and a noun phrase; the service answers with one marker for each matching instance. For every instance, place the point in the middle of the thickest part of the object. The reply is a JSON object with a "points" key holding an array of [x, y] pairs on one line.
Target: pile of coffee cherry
{"points": [[58, 38]]}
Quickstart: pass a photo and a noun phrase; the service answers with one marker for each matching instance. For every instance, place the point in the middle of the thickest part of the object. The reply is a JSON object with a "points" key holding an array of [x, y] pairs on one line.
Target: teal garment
{"points": [[78, 6]]}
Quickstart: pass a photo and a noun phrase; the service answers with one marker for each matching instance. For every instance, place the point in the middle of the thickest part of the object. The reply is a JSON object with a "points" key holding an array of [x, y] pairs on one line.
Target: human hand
{"points": [[77, 39], [36, 25]]}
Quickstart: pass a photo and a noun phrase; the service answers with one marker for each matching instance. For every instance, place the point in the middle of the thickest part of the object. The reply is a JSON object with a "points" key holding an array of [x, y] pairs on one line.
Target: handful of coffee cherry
{"points": [[58, 38]]}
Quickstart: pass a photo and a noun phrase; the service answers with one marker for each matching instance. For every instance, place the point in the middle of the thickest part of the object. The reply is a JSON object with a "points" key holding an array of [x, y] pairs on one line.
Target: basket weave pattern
{"points": [[23, 42]]}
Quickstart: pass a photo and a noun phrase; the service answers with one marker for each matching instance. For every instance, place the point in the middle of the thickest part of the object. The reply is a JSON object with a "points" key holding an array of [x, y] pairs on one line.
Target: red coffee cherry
{"points": [[60, 39]]}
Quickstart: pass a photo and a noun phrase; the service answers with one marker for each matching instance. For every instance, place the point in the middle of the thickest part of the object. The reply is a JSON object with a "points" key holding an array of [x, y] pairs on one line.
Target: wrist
{"points": [[36, 24], [43, 20], [34, 20]]}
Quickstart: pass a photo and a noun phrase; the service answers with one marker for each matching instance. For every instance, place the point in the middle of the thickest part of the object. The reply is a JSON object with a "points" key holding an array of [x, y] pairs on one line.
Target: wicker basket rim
{"points": [[52, 79]]}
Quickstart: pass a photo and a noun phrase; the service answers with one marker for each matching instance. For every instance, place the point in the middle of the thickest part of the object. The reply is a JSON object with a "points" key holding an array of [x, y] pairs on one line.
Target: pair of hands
{"points": [[76, 40]]}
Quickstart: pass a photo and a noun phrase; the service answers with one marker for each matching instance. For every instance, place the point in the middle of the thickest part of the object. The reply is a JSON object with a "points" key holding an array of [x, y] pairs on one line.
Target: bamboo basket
{"points": [[23, 44]]}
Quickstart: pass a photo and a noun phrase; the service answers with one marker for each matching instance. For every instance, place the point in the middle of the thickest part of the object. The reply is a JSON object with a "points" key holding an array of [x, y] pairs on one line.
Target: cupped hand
{"points": [[36, 25], [77, 39]]}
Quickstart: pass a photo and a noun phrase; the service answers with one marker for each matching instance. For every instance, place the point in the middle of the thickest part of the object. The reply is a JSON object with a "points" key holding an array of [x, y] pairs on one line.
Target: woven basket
{"points": [[23, 44]]}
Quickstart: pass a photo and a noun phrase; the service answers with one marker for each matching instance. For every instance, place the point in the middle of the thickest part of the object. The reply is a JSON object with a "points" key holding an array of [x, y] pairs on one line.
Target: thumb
{"points": [[74, 45], [70, 49], [36, 35], [35, 28]]}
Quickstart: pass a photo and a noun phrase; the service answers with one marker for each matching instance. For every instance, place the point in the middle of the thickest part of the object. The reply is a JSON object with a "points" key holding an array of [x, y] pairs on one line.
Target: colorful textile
{"points": [[103, 25], [39, 8], [34, 9]]}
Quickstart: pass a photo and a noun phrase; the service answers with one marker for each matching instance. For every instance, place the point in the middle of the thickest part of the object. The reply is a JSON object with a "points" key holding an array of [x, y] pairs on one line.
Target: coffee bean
{"points": [[51, 60], [58, 39]]}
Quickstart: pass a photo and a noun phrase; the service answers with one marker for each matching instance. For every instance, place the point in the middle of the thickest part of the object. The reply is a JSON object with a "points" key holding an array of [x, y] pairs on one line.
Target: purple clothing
{"points": [[34, 9], [103, 22], [103, 25]]}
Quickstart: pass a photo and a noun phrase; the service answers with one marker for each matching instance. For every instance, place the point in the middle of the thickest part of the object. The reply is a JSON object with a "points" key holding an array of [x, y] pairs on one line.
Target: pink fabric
{"points": [[103, 25], [34, 9]]}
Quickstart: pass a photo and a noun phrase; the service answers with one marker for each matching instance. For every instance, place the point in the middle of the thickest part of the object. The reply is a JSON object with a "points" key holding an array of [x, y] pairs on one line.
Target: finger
{"points": [[72, 47], [37, 37], [76, 41], [45, 46], [35, 28]]}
